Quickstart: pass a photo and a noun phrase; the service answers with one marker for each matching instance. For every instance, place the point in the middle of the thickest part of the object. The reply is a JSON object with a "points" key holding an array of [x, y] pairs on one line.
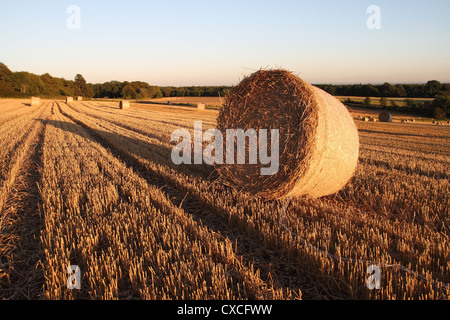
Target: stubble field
{"points": [[90, 185]]}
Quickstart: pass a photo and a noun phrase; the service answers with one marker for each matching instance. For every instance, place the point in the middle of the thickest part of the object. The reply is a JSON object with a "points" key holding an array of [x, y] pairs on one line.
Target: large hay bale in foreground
{"points": [[124, 104], [385, 117], [69, 99], [35, 101], [201, 106], [318, 139]]}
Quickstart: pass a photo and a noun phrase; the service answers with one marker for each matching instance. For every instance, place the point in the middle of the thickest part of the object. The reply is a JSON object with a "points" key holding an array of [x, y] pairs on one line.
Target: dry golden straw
{"points": [[69, 99], [319, 142]]}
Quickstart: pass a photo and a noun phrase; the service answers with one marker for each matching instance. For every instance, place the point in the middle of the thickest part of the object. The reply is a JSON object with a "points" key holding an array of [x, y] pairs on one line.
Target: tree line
{"points": [[431, 89], [25, 84]]}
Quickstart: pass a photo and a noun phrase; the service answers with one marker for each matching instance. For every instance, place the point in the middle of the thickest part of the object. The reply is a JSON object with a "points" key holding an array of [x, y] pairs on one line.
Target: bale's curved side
{"points": [[335, 154], [319, 142]]}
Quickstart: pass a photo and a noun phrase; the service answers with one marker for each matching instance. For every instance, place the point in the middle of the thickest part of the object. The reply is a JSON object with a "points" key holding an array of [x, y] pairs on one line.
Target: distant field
{"points": [[217, 102], [355, 111], [210, 101], [90, 185]]}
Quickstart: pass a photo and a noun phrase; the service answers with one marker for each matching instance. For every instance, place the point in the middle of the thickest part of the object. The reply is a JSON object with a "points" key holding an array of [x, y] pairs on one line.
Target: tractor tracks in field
{"points": [[21, 275], [274, 265]]}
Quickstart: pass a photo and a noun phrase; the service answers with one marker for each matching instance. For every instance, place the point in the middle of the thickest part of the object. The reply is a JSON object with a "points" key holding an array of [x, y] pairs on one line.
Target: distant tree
{"points": [[441, 106], [6, 88], [128, 92], [81, 87], [367, 101], [5, 73], [401, 91], [383, 102], [388, 90], [370, 91], [27, 83], [432, 88], [158, 94], [410, 103], [167, 91]]}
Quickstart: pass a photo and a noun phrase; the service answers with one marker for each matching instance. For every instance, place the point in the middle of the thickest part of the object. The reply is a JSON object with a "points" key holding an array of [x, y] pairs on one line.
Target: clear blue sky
{"points": [[196, 42]]}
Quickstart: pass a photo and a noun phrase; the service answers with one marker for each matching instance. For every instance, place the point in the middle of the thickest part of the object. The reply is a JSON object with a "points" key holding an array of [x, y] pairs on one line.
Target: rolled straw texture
{"points": [[319, 142]]}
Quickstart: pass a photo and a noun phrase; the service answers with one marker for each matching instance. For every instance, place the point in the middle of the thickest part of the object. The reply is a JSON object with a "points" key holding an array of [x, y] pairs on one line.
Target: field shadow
{"points": [[155, 153], [249, 240]]}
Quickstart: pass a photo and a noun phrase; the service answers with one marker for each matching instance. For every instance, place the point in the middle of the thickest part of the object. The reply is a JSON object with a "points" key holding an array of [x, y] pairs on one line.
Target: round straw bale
{"points": [[318, 139], [69, 99], [35, 101], [201, 106], [124, 104], [385, 117], [366, 119]]}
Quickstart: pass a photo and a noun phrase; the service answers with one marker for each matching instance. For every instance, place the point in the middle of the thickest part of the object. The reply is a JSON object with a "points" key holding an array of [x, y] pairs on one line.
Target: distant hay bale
{"points": [[318, 139], [69, 99], [124, 104], [385, 117], [412, 120], [170, 103], [372, 119], [434, 122], [404, 121], [366, 119], [79, 98], [201, 106], [35, 101]]}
